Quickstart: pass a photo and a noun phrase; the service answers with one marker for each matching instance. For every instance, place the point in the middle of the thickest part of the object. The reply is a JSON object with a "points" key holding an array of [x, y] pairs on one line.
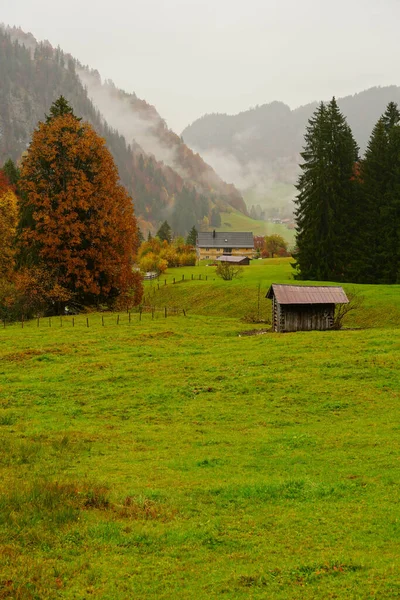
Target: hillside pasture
{"points": [[236, 221], [182, 458]]}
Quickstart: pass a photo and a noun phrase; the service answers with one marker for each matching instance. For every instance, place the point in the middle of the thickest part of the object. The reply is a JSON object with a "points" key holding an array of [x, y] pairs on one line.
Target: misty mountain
{"points": [[166, 179], [258, 149]]}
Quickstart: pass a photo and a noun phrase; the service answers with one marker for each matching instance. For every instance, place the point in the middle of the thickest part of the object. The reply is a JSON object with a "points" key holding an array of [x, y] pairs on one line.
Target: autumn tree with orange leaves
{"points": [[77, 220]]}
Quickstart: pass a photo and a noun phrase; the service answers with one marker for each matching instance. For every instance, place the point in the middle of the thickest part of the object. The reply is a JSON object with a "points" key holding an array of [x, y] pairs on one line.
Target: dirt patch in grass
{"points": [[29, 353], [254, 332], [157, 335]]}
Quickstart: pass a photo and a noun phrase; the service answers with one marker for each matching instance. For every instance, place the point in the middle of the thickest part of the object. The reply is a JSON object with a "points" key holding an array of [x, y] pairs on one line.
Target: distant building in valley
{"points": [[237, 260], [212, 244]]}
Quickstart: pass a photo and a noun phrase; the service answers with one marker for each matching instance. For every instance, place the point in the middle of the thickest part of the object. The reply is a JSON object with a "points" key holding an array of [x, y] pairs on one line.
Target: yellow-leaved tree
{"points": [[8, 228]]}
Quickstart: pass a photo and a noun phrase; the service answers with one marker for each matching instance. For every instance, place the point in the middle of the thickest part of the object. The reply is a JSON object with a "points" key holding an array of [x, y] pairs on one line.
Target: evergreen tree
{"points": [[149, 236], [59, 108], [215, 219], [165, 233], [11, 172], [391, 116], [191, 239], [140, 236], [380, 172], [327, 201]]}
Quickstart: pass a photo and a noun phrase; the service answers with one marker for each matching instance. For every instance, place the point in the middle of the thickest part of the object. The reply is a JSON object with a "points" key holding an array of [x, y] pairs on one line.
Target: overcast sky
{"points": [[190, 57]]}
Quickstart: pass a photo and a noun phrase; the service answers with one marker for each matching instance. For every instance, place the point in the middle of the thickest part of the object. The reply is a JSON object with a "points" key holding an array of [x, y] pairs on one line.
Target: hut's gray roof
{"points": [[221, 239], [307, 294], [231, 259]]}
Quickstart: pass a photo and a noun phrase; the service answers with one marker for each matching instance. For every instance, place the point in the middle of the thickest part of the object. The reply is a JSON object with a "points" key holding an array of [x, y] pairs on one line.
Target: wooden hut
{"points": [[303, 308], [236, 260]]}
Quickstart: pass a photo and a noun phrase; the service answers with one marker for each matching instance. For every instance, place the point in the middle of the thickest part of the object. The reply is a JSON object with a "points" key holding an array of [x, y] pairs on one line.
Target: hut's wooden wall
{"points": [[302, 317]]}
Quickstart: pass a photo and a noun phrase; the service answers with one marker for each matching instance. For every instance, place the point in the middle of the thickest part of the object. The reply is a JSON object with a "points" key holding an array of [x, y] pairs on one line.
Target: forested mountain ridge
{"points": [[165, 178], [259, 148]]}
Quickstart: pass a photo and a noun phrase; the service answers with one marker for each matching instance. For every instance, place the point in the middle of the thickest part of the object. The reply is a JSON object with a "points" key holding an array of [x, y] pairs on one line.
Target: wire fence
{"points": [[162, 282], [106, 319]]}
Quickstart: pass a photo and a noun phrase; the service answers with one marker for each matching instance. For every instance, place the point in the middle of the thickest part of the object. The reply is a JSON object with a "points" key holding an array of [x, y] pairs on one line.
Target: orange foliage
{"points": [[8, 228], [79, 221]]}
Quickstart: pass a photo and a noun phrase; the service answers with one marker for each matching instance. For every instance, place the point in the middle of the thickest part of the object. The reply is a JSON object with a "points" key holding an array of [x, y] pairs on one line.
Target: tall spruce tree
{"points": [[380, 175], [192, 237], [165, 232], [326, 205]]}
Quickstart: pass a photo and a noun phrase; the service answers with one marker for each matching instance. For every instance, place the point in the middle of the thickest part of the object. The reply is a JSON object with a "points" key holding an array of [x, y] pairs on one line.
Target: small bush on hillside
{"points": [[228, 271], [356, 301]]}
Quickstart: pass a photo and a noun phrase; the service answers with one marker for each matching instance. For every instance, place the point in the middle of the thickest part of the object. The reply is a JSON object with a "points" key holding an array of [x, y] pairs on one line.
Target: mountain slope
{"points": [[165, 178], [260, 147]]}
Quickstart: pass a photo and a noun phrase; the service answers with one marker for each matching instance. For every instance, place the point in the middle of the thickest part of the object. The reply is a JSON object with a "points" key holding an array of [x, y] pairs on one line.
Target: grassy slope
{"points": [[175, 459], [239, 297], [236, 221], [277, 196]]}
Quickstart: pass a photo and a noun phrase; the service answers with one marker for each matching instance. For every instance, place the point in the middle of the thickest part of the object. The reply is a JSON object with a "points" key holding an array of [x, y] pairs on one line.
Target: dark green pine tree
{"points": [[140, 236], [380, 172], [391, 116], [327, 204], [165, 232], [390, 213], [191, 239], [215, 219], [374, 179], [11, 172], [60, 107]]}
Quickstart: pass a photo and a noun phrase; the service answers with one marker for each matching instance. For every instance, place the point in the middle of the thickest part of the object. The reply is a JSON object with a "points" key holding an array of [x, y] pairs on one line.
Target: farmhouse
{"points": [[211, 244], [303, 308]]}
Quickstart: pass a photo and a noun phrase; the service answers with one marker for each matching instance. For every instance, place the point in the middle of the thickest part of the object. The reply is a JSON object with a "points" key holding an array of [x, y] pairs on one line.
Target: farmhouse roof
{"points": [[231, 259], [221, 239], [307, 294]]}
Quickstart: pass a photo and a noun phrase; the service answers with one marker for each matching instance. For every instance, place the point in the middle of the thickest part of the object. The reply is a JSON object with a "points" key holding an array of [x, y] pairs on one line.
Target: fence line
{"points": [[93, 320]]}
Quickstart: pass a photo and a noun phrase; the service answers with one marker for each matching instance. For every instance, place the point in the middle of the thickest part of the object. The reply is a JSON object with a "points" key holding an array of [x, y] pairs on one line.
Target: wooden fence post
{"points": [[87, 321], [73, 321], [183, 278], [129, 318], [102, 320], [140, 313], [184, 312], [165, 312], [22, 321], [118, 320], [50, 322]]}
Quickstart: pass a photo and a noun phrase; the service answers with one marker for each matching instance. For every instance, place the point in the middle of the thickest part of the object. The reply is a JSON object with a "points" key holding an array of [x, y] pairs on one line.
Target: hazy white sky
{"points": [[190, 57]]}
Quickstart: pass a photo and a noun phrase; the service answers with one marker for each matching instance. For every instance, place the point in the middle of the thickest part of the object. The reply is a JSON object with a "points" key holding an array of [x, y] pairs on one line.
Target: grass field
{"points": [[180, 458], [236, 221]]}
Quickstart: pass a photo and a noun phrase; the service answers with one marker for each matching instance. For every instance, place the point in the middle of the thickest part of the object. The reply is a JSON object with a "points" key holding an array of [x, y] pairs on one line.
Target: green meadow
{"points": [[179, 457], [236, 221]]}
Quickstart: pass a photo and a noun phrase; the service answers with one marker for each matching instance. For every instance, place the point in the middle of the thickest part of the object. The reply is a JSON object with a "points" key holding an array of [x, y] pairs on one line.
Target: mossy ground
{"points": [[176, 458]]}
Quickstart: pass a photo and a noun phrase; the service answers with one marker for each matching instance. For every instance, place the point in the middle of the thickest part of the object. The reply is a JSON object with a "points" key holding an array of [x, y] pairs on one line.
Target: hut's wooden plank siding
{"points": [[300, 317]]}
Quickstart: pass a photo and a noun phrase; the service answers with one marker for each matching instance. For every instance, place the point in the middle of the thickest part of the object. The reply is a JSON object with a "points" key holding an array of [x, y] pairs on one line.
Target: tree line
{"points": [[347, 207]]}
